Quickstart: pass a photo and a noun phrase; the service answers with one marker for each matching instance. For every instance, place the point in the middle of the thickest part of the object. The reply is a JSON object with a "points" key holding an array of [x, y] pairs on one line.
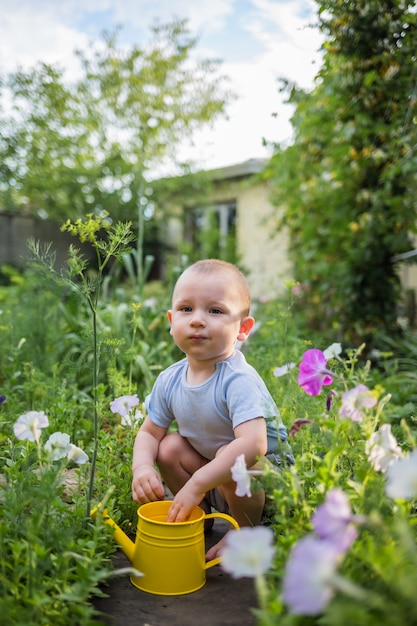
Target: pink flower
{"points": [[354, 400], [313, 373]]}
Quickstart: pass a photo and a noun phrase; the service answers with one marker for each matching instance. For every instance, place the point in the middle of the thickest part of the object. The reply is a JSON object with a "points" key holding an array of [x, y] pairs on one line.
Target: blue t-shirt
{"points": [[207, 414]]}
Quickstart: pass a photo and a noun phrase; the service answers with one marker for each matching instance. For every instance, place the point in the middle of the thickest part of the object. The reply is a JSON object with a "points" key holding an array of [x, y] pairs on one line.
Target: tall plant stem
{"points": [[95, 415]]}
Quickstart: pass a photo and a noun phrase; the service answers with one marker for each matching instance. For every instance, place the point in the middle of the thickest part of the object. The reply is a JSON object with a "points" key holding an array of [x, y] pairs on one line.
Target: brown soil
{"points": [[222, 601]]}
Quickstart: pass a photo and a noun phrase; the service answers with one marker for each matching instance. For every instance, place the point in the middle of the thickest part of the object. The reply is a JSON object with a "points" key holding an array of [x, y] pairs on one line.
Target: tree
{"points": [[348, 182], [71, 149]]}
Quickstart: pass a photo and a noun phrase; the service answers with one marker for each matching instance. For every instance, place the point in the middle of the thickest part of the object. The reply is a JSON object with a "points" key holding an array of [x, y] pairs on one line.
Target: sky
{"points": [[258, 42]]}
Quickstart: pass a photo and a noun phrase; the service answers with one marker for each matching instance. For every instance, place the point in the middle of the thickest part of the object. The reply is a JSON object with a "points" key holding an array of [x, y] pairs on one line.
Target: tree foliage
{"points": [[348, 181], [68, 149]]}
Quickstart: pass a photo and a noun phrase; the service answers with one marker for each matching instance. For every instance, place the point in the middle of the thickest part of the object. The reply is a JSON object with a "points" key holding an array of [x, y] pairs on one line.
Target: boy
{"points": [[220, 403]]}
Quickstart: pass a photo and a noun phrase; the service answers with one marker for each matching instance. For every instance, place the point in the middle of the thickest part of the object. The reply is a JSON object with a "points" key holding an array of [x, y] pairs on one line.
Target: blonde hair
{"points": [[211, 266]]}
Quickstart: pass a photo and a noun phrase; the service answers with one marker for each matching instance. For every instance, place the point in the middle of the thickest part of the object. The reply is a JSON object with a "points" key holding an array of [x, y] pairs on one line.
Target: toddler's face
{"points": [[206, 316]]}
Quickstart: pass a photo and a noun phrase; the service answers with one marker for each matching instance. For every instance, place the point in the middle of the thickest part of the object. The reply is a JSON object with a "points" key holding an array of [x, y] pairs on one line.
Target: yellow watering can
{"points": [[170, 555]]}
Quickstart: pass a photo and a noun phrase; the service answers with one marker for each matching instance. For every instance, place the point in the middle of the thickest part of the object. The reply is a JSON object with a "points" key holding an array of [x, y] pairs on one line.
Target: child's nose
{"points": [[197, 319]]}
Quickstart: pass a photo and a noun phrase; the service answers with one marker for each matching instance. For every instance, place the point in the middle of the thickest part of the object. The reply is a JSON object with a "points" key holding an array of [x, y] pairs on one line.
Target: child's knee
{"points": [[169, 447]]}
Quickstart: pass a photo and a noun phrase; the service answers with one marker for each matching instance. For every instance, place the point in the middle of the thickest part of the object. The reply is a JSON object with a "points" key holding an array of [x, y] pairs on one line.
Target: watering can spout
{"points": [[119, 536]]}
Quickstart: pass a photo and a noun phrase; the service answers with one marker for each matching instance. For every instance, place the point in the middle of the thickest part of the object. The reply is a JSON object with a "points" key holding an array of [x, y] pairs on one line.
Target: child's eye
{"points": [[186, 309], [215, 311]]}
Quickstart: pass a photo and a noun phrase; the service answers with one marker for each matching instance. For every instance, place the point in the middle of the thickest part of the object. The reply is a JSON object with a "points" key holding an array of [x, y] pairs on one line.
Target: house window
{"points": [[211, 231]]}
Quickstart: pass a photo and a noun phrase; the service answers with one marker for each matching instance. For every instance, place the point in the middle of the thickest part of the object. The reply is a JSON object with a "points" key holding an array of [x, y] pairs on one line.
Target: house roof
{"points": [[247, 168]]}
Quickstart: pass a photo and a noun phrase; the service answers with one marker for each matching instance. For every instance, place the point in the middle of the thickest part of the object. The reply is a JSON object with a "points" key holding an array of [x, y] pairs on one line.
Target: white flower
{"points": [[248, 552], [58, 446], [402, 478], [29, 425], [123, 404], [77, 455], [241, 477], [132, 418], [382, 449], [284, 369], [333, 351]]}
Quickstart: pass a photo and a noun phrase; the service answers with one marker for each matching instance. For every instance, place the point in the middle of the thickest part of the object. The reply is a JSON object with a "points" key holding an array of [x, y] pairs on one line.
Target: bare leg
{"points": [[177, 461]]}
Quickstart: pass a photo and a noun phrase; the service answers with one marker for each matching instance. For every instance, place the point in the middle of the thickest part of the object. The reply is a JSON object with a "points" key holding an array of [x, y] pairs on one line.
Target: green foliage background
{"points": [[348, 182]]}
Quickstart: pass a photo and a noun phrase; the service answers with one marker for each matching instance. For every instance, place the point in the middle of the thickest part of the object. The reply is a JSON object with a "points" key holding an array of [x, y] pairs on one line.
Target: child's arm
{"points": [[250, 440], [147, 484]]}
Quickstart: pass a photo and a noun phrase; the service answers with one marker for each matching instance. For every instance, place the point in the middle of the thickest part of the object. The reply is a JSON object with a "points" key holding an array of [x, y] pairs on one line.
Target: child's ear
{"points": [[169, 316], [246, 326]]}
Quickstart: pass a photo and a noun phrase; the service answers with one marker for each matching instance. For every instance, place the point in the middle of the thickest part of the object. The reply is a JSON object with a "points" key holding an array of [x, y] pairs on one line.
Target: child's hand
{"points": [[184, 502], [147, 485]]}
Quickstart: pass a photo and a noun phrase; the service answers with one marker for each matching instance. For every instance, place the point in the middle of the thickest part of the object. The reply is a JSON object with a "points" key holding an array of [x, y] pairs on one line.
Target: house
{"points": [[238, 223]]}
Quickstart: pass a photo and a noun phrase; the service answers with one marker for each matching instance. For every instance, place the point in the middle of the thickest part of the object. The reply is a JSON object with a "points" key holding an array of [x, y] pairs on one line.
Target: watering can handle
{"points": [[229, 519]]}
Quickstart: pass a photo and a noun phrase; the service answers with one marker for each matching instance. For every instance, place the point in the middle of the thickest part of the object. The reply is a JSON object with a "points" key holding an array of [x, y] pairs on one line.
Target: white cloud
{"points": [[28, 35], [290, 40], [200, 14]]}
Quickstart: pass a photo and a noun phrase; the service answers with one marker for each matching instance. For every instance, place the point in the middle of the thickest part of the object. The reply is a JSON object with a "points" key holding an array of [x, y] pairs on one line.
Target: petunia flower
{"points": [[123, 404], [333, 521], [132, 418], [77, 455], [382, 449], [248, 552], [313, 373], [241, 475], [58, 446], [29, 425], [284, 369], [333, 351], [354, 400], [309, 573], [402, 478]]}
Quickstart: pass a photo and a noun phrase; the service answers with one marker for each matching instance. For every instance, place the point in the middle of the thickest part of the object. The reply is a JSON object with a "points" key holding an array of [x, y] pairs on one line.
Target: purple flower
{"points": [[2, 399], [329, 400], [354, 400], [310, 576], [307, 587], [313, 373], [333, 521]]}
